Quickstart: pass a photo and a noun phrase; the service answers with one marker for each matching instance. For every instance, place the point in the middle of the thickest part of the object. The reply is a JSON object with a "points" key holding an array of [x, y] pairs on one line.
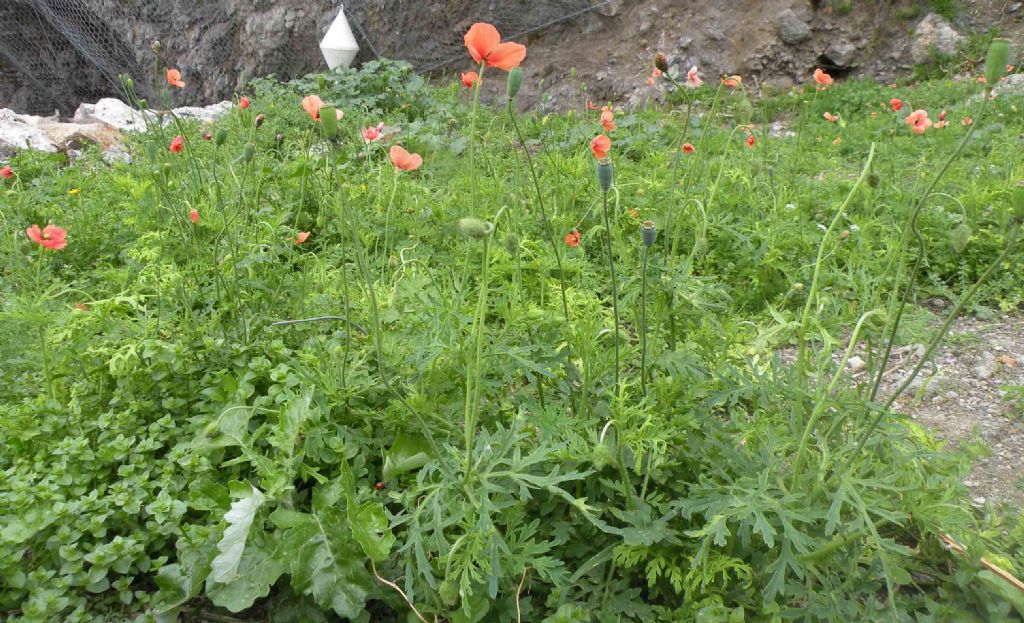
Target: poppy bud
{"points": [[475, 228], [873, 180], [1018, 201], [155, 46], [260, 118], [220, 137], [601, 456], [661, 62], [278, 139], [512, 244], [604, 175], [129, 83], [321, 82], [515, 81], [328, 121], [247, 153], [996, 61], [647, 233]]}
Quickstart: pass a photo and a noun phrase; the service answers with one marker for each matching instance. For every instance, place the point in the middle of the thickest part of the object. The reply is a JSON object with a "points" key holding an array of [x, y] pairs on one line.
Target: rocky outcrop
{"points": [[933, 35]]}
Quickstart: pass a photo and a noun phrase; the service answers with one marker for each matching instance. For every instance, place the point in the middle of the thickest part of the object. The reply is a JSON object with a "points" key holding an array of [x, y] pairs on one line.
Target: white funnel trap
{"points": [[339, 46]]}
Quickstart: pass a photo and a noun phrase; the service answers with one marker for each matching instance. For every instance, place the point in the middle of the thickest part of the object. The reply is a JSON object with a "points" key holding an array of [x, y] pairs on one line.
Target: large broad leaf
{"points": [[257, 571], [409, 452], [371, 530], [325, 561], [224, 567]]}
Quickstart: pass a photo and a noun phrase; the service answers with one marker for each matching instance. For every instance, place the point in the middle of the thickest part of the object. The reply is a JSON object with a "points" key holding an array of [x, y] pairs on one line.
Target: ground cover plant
{"points": [[372, 350]]}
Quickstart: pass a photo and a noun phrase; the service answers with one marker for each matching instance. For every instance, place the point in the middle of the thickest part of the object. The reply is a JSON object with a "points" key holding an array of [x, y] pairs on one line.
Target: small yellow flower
{"points": [[74, 191]]}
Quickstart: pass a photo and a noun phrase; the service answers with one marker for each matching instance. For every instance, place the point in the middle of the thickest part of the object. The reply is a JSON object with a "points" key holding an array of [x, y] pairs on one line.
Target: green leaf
{"points": [[232, 544], [327, 563], [370, 528], [257, 571], [409, 452]]}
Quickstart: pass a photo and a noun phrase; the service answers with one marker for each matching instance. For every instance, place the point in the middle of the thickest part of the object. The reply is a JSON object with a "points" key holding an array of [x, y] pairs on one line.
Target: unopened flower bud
{"points": [[996, 61], [648, 232], [220, 137], [260, 118], [514, 83], [604, 175], [155, 46], [661, 62], [475, 228], [247, 153], [512, 244]]}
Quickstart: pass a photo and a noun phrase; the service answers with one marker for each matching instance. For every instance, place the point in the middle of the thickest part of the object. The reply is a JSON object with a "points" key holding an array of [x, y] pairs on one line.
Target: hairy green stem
{"points": [[473, 373], [615, 290], [643, 323]]}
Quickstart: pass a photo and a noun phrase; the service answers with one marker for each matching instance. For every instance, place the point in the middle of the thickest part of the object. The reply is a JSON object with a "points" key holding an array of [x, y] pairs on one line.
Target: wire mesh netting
{"points": [[59, 53]]}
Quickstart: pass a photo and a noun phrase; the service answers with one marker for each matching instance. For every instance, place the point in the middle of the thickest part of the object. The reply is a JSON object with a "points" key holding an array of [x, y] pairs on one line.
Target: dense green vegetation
{"points": [[460, 430]]}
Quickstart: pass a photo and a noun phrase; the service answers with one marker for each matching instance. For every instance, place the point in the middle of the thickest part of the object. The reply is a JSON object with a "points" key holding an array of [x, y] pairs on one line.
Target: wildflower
{"points": [[469, 78], [982, 80], [177, 144], [51, 236], [7, 172], [260, 118], [82, 307], [372, 134], [732, 81], [692, 79], [688, 148], [822, 78], [607, 119], [942, 120], [837, 140], [485, 46], [207, 136], [966, 121], [655, 74], [751, 141], [600, 146], [194, 216], [299, 239], [74, 191], [243, 103], [634, 214], [174, 78], [918, 121], [874, 114], [312, 105], [573, 238], [591, 105], [895, 104], [403, 160], [830, 117]]}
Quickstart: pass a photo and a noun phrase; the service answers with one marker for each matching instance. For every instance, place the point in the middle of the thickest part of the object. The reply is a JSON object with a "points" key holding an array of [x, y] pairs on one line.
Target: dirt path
{"points": [[965, 399]]}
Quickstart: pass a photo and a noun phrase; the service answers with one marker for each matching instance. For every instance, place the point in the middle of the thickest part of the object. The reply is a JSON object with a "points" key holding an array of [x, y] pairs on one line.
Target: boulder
{"points": [[16, 134], [933, 35], [113, 112], [51, 135], [841, 54], [792, 29]]}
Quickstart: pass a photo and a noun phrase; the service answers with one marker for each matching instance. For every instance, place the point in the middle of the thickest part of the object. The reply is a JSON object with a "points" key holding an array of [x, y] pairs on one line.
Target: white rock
{"points": [[17, 132], [855, 363], [933, 34], [113, 112], [203, 113]]}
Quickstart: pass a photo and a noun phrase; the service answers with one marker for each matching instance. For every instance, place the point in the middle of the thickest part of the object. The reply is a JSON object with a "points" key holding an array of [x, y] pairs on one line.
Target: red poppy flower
{"points": [[174, 78], [607, 119], [299, 239], [895, 104], [193, 216], [688, 148], [573, 238], [243, 103], [822, 78], [600, 146], [7, 172], [469, 78], [732, 81], [485, 46], [692, 79], [372, 134], [918, 121], [403, 160], [50, 237], [177, 144], [751, 141]]}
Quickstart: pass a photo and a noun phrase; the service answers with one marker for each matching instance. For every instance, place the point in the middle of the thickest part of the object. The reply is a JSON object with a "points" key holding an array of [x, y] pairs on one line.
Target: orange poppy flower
{"points": [[895, 104], [966, 121], [692, 79], [751, 141], [830, 117], [837, 140], [485, 46], [591, 105], [299, 239], [177, 144], [732, 81], [312, 105], [918, 121], [7, 172], [174, 78], [573, 238], [822, 78], [403, 160], [873, 114], [243, 103], [50, 237], [607, 120], [688, 148], [193, 216], [469, 78], [600, 146]]}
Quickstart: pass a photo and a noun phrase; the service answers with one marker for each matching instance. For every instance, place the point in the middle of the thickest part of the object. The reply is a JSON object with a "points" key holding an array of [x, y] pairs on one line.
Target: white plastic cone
{"points": [[339, 46]]}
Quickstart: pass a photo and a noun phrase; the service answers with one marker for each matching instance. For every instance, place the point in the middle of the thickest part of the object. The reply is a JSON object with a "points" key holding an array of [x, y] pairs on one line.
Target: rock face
{"points": [[933, 34], [793, 30]]}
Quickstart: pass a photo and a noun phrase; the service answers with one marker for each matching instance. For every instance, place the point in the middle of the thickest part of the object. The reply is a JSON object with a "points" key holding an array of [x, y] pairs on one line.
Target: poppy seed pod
{"points": [[996, 61], [514, 83], [661, 62], [328, 121], [475, 228], [604, 175], [1018, 201], [648, 232], [220, 137], [260, 118]]}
